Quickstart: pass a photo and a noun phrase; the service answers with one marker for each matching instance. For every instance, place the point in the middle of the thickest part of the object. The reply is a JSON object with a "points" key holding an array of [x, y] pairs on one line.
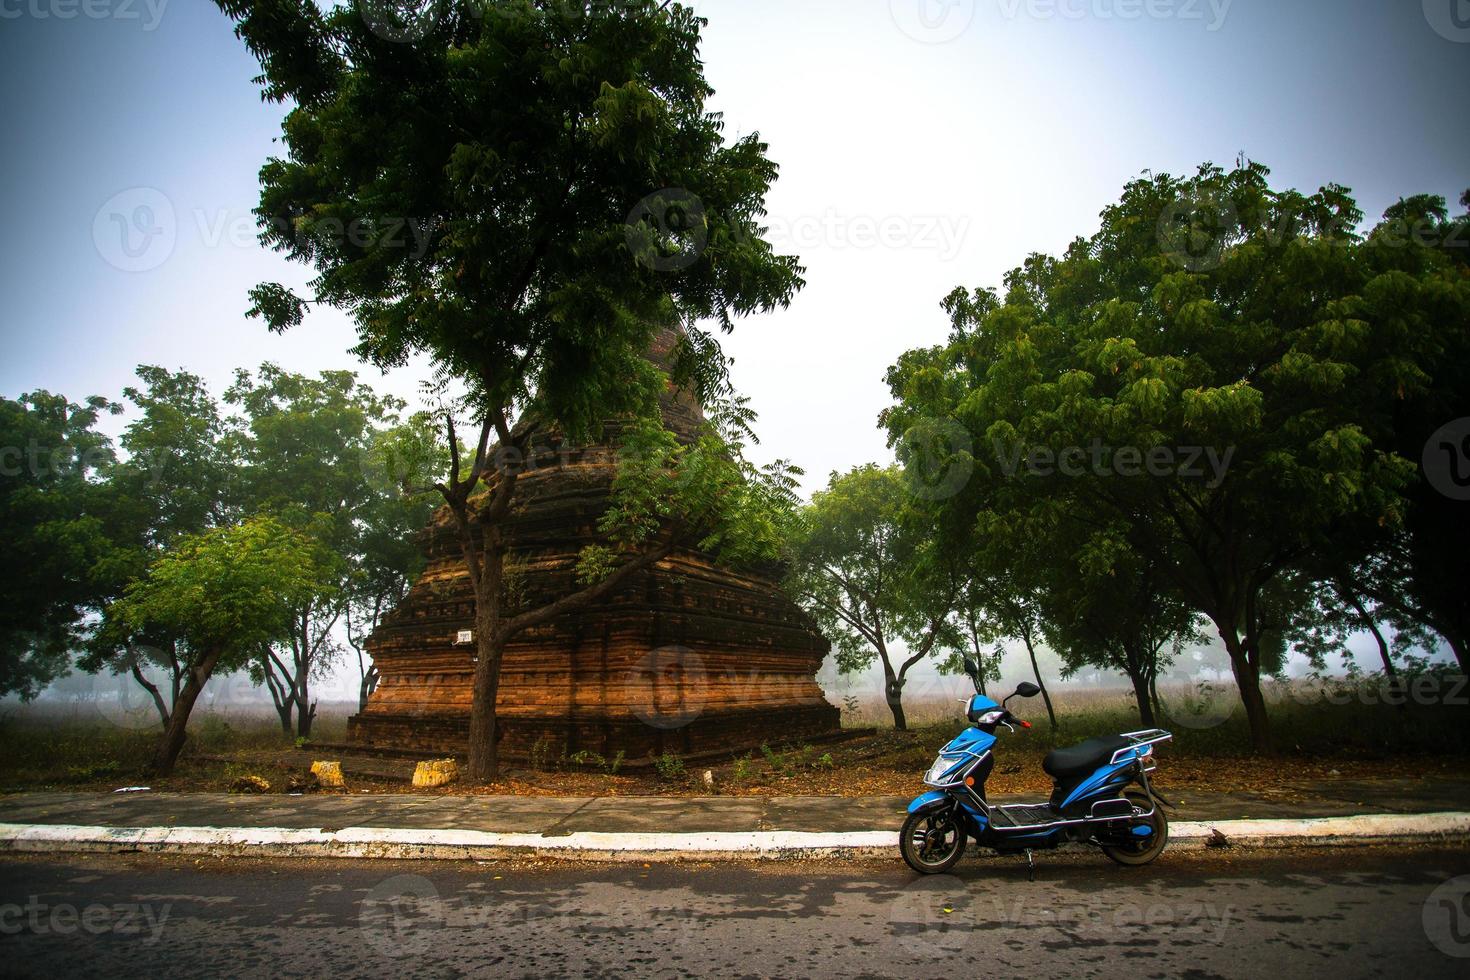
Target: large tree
{"points": [[526, 191], [1214, 374]]}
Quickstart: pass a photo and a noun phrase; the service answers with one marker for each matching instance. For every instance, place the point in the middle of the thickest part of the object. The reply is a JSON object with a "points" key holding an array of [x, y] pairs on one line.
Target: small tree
{"points": [[224, 594], [178, 478], [304, 441], [865, 567]]}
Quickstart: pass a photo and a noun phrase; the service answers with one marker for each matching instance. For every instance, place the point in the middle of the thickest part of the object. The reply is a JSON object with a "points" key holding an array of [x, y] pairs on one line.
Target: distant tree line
{"points": [[214, 536], [1229, 410]]}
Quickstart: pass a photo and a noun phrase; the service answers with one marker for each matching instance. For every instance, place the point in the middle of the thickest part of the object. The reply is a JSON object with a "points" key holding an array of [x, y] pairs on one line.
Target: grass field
{"points": [[1318, 729]]}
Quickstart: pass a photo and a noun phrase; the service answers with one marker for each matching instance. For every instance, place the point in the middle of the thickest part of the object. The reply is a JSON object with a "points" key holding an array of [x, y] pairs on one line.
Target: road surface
{"points": [[1302, 913]]}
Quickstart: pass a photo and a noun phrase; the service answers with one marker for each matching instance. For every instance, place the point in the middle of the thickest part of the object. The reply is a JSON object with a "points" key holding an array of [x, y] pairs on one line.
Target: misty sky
{"points": [[924, 144]]}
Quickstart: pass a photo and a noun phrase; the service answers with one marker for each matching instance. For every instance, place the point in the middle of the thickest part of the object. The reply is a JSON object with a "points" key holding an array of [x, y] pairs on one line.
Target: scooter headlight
{"points": [[944, 768]]}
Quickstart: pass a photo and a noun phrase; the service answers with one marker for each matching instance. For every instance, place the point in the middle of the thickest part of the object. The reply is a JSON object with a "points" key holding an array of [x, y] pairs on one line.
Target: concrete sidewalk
{"points": [[611, 826]]}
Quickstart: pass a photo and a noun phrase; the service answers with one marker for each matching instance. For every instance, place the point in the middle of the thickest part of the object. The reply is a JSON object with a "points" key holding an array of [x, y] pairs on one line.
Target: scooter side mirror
{"points": [[973, 672], [1026, 689]]}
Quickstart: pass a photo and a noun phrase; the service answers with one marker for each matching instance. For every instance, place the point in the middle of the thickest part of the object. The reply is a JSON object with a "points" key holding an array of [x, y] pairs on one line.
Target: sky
{"points": [[923, 145]]}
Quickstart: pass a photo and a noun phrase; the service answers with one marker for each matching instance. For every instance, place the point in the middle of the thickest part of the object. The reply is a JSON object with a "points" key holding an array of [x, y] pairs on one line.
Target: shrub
{"points": [[669, 767]]}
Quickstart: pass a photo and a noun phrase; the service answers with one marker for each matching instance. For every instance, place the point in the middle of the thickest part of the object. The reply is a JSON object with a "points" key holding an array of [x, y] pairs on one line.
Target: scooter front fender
{"points": [[929, 801]]}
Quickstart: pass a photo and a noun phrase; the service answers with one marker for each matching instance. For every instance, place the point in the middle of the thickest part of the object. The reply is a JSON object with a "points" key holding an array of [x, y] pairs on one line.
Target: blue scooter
{"points": [[1090, 801]]}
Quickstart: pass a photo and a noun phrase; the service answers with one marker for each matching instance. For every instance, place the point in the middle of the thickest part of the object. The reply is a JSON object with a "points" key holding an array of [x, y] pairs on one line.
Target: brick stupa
{"points": [[689, 657]]}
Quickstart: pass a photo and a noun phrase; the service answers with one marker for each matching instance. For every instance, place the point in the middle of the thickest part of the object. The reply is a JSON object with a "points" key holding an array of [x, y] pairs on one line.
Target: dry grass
{"points": [[1317, 730]]}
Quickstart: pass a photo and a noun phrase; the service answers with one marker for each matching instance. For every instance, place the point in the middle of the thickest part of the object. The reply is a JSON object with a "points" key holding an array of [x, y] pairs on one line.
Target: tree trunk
{"points": [[172, 741], [1051, 713], [1153, 693], [367, 687], [1248, 681], [893, 693], [484, 764], [1141, 695], [153, 692]]}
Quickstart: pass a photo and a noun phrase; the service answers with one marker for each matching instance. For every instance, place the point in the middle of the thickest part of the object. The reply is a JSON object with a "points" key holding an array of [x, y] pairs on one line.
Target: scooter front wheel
{"points": [[932, 841], [1145, 848]]}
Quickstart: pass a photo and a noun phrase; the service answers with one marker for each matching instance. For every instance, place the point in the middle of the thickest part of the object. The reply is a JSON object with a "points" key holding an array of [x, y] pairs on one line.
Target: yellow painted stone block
{"points": [[327, 774], [439, 773]]}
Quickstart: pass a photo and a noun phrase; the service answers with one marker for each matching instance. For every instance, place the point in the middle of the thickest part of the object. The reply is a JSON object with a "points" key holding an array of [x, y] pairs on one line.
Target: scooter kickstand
{"points": [[1030, 865]]}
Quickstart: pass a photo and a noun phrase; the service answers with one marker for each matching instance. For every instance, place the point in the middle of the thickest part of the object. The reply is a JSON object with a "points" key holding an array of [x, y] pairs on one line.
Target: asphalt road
{"points": [[1309, 912]]}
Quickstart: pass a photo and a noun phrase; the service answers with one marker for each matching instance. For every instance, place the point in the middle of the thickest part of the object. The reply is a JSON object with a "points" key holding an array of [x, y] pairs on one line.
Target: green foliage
{"points": [[669, 767], [1212, 312], [228, 591], [705, 490], [55, 528], [775, 760], [866, 564], [502, 245]]}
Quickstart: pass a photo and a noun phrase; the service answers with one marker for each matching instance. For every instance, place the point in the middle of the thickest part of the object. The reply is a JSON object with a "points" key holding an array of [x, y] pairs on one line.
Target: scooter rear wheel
{"points": [[932, 842], [1136, 855]]}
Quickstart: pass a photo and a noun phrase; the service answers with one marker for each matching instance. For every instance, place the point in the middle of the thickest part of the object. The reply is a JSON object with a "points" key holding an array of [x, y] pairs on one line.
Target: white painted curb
{"points": [[386, 843]]}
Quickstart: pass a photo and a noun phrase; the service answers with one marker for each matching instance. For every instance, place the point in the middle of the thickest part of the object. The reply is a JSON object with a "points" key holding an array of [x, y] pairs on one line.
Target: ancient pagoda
{"points": [[689, 657]]}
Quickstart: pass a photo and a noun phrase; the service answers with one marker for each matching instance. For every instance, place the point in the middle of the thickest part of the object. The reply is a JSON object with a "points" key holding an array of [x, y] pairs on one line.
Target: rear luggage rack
{"points": [[1149, 736]]}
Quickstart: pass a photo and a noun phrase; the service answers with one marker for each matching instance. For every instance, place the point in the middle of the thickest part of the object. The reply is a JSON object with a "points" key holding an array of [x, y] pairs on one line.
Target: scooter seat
{"points": [[1083, 757]]}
